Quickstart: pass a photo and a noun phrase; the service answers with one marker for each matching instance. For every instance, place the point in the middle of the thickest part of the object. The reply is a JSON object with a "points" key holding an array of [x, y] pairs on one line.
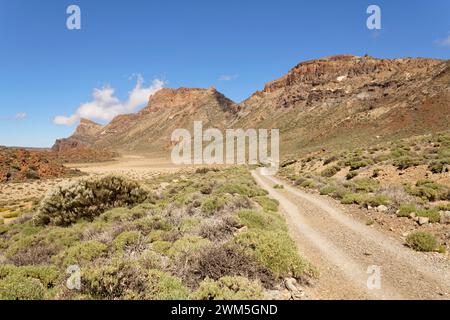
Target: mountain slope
{"points": [[322, 103], [350, 100]]}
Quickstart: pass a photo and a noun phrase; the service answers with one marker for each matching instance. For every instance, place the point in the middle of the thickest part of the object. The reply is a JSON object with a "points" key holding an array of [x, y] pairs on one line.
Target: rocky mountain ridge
{"points": [[327, 101]]}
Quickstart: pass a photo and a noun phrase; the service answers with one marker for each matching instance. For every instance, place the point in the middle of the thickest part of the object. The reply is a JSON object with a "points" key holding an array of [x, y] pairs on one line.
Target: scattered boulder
{"points": [[296, 292], [382, 208], [423, 220], [445, 217]]}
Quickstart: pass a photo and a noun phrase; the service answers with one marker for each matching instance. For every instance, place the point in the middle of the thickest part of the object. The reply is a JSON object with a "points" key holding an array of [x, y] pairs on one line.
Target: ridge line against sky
{"points": [[98, 71]]}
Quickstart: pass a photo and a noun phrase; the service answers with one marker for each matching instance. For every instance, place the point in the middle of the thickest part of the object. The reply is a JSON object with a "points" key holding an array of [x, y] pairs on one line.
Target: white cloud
{"points": [[105, 105], [228, 77], [17, 116], [444, 42]]}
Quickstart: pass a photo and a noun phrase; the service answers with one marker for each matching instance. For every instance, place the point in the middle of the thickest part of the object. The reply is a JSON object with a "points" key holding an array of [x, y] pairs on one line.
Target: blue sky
{"points": [[47, 70]]}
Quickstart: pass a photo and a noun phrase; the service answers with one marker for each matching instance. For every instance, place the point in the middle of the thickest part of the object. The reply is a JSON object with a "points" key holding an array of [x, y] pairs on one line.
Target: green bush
{"points": [[261, 220], [330, 171], [81, 253], [328, 190], [163, 286], [422, 241], [429, 190], [88, 198], [365, 199], [351, 175], [432, 214], [406, 162], [47, 275], [161, 246], [187, 244], [267, 203], [18, 287], [127, 238], [406, 209], [365, 185], [308, 184], [276, 251], [117, 279], [212, 204], [242, 189], [228, 288], [10, 215]]}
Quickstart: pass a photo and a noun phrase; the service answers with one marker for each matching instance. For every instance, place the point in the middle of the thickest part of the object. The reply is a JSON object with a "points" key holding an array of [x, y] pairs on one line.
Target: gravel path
{"points": [[347, 252]]}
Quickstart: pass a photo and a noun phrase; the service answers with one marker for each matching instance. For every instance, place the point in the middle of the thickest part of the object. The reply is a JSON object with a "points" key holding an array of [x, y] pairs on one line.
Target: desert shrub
{"points": [[351, 175], [16, 287], [218, 229], [396, 195], [163, 286], [422, 241], [267, 203], [406, 209], [429, 190], [365, 199], [444, 206], [204, 170], [275, 251], [400, 152], [38, 254], [221, 260], [432, 214], [116, 279], [358, 163], [330, 171], [330, 160], [161, 246], [188, 224], [406, 162], [439, 166], [48, 276], [308, 184], [10, 215], [228, 288], [381, 158], [299, 181], [278, 186], [364, 185], [89, 198], [242, 189], [121, 215], [81, 253], [187, 244], [212, 204], [328, 190], [127, 238], [261, 220]]}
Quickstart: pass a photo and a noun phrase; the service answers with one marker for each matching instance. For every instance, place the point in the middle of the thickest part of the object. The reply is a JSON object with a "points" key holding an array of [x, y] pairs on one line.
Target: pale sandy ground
{"points": [[343, 249]]}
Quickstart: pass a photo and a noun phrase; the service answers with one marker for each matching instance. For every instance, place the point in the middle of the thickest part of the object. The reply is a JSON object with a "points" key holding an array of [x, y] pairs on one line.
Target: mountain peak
{"points": [[172, 98]]}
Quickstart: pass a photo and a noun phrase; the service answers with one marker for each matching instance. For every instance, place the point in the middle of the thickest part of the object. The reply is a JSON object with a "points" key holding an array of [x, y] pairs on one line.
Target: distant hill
{"points": [[323, 103]]}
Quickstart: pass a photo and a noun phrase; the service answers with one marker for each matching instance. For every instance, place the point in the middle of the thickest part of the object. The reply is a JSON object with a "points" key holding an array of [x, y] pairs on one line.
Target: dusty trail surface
{"points": [[344, 249]]}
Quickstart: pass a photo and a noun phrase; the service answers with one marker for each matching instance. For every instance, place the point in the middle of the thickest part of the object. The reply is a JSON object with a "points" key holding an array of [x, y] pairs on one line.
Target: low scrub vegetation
{"points": [[422, 241], [213, 234]]}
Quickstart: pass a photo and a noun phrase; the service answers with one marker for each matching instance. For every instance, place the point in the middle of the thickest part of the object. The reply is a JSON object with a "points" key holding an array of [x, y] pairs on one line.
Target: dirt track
{"points": [[343, 249]]}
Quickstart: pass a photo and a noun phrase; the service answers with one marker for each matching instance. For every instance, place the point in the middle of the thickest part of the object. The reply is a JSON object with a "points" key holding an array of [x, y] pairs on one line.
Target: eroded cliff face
{"points": [[318, 102], [350, 99]]}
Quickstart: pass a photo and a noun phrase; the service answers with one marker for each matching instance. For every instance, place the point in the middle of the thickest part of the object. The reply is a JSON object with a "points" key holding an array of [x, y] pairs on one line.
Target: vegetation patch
{"points": [[89, 198], [422, 241]]}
